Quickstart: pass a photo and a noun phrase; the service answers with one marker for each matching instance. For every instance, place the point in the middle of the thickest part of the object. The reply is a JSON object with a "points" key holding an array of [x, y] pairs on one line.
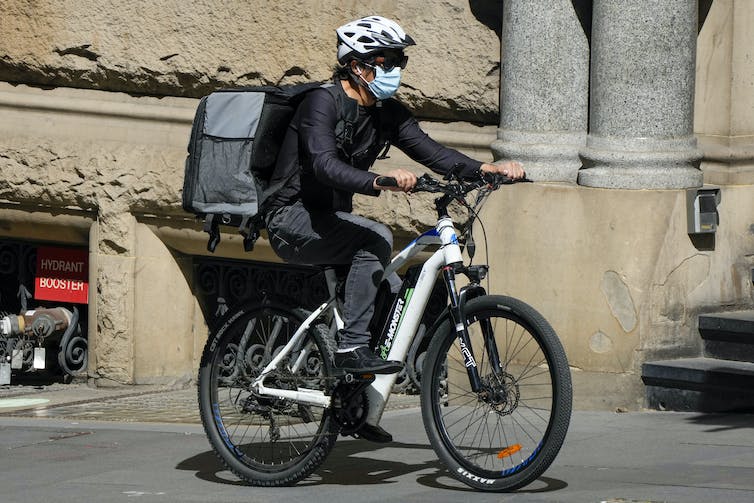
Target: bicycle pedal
{"points": [[351, 377]]}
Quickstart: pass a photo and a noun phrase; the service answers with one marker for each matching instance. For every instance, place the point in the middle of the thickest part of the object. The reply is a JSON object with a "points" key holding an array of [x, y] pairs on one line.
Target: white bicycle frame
{"points": [[378, 392]]}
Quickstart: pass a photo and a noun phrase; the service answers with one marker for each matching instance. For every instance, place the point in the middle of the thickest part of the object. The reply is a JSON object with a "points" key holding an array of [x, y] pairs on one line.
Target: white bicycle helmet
{"points": [[360, 38]]}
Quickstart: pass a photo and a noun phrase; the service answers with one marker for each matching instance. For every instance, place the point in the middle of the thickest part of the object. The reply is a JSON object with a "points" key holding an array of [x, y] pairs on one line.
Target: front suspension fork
{"points": [[457, 304]]}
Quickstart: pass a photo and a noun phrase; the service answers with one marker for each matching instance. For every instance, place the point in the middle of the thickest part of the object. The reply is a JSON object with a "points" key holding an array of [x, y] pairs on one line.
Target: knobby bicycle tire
{"points": [[264, 441], [505, 436]]}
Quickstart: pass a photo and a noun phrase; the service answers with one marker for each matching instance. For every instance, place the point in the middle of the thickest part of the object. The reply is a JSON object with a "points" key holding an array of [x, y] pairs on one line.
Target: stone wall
{"points": [[177, 48], [724, 120], [617, 275], [99, 160]]}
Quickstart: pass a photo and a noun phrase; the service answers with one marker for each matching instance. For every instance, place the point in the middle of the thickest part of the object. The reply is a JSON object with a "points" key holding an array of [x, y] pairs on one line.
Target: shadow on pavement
{"points": [[349, 464], [723, 422]]}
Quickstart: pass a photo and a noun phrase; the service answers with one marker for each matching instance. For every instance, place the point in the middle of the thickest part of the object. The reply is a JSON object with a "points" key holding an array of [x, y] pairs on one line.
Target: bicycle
{"points": [[495, 385]]}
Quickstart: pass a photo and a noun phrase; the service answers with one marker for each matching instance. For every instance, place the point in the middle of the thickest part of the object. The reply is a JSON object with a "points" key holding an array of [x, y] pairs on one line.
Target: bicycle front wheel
{"points": [[265, 440], [507, 433]]}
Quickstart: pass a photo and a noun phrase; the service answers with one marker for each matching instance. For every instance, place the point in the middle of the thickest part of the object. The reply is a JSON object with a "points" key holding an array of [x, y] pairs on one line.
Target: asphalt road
{"points": [[607, 457]]}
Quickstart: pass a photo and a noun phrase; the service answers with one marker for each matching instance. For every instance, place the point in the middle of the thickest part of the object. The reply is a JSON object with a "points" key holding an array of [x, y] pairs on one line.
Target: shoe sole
{"points": [[380, 370]]}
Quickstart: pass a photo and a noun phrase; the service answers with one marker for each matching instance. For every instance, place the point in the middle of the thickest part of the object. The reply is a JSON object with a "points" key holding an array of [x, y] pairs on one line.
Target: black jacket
{"points": [[324, 177]]}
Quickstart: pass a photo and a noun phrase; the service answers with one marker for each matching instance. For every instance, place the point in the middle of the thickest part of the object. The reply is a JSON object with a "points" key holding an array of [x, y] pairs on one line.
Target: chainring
{"points": [[350, 406]]}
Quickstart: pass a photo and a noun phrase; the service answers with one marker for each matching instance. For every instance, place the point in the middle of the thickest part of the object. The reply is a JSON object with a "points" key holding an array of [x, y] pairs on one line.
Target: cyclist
{"points": [[309, 219]]}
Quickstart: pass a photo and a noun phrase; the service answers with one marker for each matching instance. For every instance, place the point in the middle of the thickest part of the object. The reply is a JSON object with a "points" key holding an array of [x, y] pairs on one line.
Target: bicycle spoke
{"points": [[497, 431], [266, 434]]}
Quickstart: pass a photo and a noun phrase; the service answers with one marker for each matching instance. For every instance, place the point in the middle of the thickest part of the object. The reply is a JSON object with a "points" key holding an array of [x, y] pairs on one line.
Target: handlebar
{"points": [[458, 188], [453, 188]]}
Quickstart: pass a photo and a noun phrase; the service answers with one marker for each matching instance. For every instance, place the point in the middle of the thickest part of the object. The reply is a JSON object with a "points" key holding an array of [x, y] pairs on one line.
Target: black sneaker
{"points": [[362, 360], [373, 433]]}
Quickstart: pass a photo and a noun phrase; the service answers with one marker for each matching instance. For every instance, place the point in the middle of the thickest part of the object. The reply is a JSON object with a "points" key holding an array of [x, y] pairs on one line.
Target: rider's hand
{"points": [[512, 169], [405, 179]]}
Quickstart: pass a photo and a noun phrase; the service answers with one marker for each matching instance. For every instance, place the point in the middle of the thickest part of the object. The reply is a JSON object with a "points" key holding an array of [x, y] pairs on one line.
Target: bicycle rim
{"points": [[264, 440], [506, 435]]}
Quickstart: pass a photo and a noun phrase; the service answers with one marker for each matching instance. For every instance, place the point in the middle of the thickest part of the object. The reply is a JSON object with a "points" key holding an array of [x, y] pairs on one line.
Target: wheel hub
{"points": [[501, 392]]}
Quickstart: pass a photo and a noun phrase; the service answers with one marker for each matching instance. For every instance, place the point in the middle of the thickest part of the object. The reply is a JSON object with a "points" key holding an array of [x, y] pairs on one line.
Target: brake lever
{"points": [[455, 172], [426, 183]]}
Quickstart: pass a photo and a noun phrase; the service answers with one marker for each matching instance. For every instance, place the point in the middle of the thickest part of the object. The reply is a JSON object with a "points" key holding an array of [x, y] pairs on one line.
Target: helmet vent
{"points": [[366, 36]]}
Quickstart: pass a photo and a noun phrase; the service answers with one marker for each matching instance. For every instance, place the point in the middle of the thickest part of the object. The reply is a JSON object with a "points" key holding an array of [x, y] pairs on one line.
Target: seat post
{"points": [[331, 278]]}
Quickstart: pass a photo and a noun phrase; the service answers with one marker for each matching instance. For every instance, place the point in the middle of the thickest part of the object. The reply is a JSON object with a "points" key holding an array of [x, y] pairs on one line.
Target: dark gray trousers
{"points": [[302, 236]]}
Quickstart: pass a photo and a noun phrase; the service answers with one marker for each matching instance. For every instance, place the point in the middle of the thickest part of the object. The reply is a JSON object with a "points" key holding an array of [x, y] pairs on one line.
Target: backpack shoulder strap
{"points": [[348, 114], [384, 131]]}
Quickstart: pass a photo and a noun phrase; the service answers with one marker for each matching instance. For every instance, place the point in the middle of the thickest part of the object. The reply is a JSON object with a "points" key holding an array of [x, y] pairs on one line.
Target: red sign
{"points": [[62, 274]]}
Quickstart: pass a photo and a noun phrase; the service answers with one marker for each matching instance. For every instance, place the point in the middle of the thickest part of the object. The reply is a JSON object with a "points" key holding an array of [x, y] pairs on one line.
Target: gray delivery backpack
{"points": [[235, 141]]}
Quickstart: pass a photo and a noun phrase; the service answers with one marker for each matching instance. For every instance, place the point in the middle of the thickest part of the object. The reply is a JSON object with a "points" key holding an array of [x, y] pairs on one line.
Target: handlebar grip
{"points": [[497, 180], [386, 181]]}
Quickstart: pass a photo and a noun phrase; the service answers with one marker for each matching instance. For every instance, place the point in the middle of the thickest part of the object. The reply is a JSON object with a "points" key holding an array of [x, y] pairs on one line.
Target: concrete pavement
{"points": [[55, 452]]}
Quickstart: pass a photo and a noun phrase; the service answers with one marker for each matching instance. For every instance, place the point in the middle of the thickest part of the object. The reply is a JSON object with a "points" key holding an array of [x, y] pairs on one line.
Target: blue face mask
{"points": [[385, 84]]}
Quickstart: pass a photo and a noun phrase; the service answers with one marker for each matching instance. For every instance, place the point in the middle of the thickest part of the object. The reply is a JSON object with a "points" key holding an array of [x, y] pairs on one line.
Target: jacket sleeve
{"points": [[421, 148], [318, 146]]}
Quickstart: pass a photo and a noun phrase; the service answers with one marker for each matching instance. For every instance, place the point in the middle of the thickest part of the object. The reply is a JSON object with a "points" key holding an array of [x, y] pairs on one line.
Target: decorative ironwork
{"points": [[73, 354], [18, 261], [221, 284]]}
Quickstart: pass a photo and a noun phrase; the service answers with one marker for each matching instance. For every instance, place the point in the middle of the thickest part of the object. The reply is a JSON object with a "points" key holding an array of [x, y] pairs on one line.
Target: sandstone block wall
{"points": [[617, 275], [177, 48]]}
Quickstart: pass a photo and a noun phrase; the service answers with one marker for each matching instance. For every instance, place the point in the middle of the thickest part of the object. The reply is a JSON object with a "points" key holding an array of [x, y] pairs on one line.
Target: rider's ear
{"points": [[356, 68]]}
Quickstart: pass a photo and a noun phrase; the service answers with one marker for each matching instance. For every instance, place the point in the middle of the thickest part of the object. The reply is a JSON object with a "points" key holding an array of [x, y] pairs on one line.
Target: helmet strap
{"points": [[358, 78], [358, 84]]}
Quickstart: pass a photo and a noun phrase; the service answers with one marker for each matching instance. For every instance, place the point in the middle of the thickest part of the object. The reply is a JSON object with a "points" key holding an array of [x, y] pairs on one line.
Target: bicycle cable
{"points": [[474, 216]]}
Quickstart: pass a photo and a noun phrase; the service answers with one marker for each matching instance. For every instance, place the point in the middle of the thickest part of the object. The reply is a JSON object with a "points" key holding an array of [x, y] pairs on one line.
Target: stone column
{"points": [[111, 337], [642, 96], [544, 88]]}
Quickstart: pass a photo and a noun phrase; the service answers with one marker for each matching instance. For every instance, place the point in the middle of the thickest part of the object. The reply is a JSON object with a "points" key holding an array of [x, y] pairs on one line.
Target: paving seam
{"points": [[83, 402]]}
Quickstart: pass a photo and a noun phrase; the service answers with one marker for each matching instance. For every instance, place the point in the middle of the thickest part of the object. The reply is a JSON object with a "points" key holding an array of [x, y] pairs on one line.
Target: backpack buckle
{"points": [[212, 227], [250, 229]]}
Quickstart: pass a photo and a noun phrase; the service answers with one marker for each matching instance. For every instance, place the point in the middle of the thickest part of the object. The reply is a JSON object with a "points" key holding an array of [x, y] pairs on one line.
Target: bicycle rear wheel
{"points": [[508, 433], [264, 440]]}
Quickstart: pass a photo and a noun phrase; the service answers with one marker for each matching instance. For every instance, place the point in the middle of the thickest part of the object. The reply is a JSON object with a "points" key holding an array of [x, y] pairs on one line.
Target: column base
{"points": [[641, 164], [547, 157]]}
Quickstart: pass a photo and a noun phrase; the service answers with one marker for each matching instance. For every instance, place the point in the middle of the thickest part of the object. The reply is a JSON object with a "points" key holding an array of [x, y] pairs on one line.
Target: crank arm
{"points": [[301, 395]]}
